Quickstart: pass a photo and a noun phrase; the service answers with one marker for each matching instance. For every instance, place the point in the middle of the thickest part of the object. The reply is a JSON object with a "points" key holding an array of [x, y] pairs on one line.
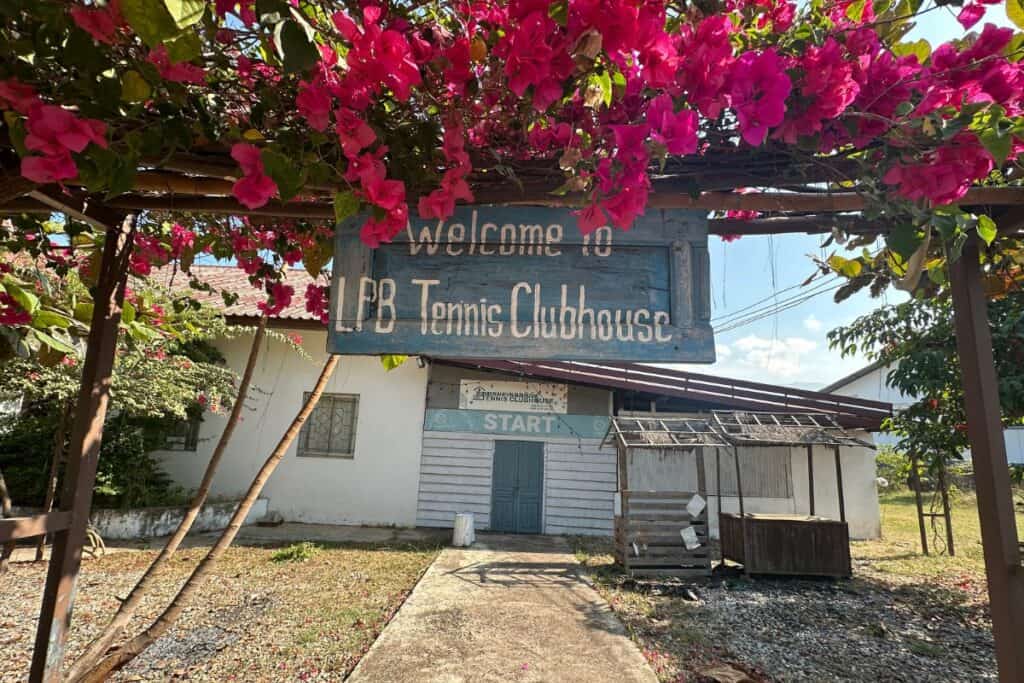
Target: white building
{"points": [[870, 382], [518, 444]]}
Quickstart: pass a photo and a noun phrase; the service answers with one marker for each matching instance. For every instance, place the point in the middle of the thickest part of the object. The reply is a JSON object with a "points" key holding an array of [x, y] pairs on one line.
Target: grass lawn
{"points": [[897, 555], [903, 616], [300, 612]]}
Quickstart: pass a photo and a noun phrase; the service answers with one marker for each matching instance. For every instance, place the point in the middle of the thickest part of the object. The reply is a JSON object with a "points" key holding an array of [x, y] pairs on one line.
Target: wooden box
{"points": [[787, 544]]}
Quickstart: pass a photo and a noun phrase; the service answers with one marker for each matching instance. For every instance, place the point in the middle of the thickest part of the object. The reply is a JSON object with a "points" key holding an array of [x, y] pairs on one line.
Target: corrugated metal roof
{"points": [[719, 392]]}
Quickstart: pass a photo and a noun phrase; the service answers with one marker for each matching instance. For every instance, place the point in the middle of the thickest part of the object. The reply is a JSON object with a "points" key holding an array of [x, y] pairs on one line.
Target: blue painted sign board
{"points": [[513, 423], [523, 283]]}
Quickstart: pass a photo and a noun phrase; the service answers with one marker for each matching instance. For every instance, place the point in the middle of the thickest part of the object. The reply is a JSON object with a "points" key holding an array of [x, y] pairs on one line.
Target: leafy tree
{"points": [[916, 339]]}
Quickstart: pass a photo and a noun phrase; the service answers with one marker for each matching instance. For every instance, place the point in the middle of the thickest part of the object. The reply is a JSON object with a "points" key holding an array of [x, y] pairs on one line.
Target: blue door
{"points": [[516, 492]]}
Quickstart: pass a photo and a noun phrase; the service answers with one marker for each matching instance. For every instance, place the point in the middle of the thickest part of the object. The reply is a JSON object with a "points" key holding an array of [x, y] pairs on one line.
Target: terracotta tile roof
{"points": [[232, 279]]}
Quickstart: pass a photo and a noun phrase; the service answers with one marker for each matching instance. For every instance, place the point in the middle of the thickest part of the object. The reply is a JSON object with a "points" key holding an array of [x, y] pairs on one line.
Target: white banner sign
{"points": [[522, 397]]}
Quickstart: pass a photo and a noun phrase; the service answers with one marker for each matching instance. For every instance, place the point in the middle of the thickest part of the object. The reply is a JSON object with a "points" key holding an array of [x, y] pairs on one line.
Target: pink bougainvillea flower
{"points": [[181, 238], [314, 104], [54, 130], [11, 312], [255, 188], [354, 133], [590, 219], [676, 131], [387, 194], [827, 89], [182, 72], [759, 90], [705, 72], [280, 298], [18, 96], [49, 169], [626, 206], [101, 23], [729, 238], [377, 231], [971, 14], [316, 303], [945, 175]]}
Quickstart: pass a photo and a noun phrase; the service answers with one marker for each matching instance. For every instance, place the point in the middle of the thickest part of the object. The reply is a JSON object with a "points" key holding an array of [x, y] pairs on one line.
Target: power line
{"points": [[774, 310]]}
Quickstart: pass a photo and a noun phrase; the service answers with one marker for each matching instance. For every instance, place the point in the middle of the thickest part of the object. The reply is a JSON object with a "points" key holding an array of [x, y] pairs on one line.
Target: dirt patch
{"points": [[255, 619]]}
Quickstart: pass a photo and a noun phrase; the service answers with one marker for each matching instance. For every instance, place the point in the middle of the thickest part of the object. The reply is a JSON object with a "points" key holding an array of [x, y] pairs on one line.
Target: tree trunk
{"points": [[5, 510], [56, 458], [99, 646], [121, 656]]}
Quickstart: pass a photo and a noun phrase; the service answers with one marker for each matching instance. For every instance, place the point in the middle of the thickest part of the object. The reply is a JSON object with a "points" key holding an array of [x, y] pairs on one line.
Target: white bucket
{"points": [[464, 533]]}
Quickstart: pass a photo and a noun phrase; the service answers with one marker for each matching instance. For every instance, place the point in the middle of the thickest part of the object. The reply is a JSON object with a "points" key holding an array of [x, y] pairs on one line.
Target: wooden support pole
{"points": [[839, 486], [83, 452], [915, 475], [991, 471], [810, 476]]}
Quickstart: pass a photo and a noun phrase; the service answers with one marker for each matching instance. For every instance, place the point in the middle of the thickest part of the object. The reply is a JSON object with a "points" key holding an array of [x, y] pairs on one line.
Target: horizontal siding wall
{"points": [[579, 482], [579, 487], [455, 476]]}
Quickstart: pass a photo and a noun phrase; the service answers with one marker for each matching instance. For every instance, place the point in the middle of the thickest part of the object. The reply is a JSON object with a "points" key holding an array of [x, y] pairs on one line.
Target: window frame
{"points": [[190, 440], [302, 450]]}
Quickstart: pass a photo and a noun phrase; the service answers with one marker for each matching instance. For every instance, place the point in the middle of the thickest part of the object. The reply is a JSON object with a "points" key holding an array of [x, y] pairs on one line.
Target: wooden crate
{"points": [[652, 521], [799, 545]]}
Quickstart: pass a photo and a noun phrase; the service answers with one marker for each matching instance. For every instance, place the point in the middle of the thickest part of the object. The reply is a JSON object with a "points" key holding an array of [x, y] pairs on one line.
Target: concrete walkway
{"points": [[510, 608]]}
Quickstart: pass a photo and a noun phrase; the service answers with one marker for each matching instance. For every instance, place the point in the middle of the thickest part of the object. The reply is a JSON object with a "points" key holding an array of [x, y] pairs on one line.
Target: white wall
{"points": [[377, 486], [873, 386]]}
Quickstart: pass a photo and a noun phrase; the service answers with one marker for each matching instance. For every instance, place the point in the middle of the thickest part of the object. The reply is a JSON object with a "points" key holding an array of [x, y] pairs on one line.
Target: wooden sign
{"points": [[523, 283]]}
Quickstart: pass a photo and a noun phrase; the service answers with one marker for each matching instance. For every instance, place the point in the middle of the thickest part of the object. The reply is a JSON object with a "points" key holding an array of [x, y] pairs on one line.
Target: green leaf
{"points": [[997, 141], [185, 12], [44, 319], [922, 49], [558, 11], [151, 20], [605, 80], [986, 228], [54, 343], [391, 361], [346, 204], [26, 299], [288, 177], [83, 312], [316, 258], [1015, 12], [296, 46], [855, 10], [184, 47], [134, 88], [128, 313], [845, 267]]}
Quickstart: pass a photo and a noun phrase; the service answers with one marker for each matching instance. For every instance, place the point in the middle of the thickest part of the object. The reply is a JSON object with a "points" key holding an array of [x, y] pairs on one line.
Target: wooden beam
{"points": [[83, 452], [17, 528], [1000, 542]]}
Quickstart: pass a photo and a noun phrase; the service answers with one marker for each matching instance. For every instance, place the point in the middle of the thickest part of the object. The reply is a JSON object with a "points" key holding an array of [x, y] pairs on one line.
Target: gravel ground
{"points": [[873, 627], [256, 619]]}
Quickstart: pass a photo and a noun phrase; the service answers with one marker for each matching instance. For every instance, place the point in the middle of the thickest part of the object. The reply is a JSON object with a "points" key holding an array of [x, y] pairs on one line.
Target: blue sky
{"points": [[791, 348]]}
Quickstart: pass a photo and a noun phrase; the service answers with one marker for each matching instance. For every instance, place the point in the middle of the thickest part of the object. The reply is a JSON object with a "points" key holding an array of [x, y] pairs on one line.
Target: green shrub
{"points": [[296, 552]]}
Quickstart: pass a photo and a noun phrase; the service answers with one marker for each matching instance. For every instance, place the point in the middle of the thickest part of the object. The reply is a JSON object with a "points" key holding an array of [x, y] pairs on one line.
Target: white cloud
{"points": [[774, 359], [812, 323], [722, 351]]}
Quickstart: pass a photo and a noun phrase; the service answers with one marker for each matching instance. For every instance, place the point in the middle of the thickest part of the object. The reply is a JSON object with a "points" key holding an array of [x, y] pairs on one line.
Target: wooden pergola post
{"points": [[83, 452], [991, 472]]}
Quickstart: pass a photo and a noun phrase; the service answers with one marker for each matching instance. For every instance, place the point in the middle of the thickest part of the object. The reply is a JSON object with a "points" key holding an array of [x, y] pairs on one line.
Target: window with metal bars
{"points": [[184, 435], [330, 431]]}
